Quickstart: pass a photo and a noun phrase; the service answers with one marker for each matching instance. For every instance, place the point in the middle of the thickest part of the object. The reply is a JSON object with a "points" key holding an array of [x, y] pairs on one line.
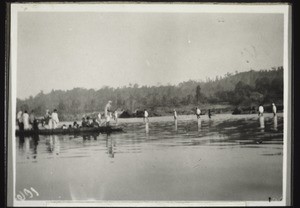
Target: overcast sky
{"points": [[91, 50]]}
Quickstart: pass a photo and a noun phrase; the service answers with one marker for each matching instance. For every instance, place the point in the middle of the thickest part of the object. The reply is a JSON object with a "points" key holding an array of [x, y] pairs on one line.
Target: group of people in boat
{"points": [[29, 121]]}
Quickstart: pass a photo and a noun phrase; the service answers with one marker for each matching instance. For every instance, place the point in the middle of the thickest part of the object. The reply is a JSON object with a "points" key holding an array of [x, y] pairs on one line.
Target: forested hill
{"points": [[239, 89]]}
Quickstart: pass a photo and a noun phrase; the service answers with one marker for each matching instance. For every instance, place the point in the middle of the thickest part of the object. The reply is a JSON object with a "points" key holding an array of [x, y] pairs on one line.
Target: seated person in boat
{"points": [[75, 125], [70, 127], [84, 123], [89, 121], [64, 126], [94, 123]]}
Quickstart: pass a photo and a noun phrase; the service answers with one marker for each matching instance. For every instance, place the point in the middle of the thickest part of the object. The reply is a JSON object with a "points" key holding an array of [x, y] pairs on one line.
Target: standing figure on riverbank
{"points": [[146, 115], [274, 109], [260, 110], [107, 112], [25, 119], [175, 114], [20, 121], [54, 119], [198, 112]]}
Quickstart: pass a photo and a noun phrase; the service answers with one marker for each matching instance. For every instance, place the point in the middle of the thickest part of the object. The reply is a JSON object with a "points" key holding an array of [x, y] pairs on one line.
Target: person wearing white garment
{"points": [[54, 119], [260, 110], [274, 109], [198, 112], [107, 113], [146, 115], [25, 118], [175, 114]]}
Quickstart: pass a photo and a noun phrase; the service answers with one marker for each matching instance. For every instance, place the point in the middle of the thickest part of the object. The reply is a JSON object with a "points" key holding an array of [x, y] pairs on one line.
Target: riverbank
{"points": [[182, 110]]}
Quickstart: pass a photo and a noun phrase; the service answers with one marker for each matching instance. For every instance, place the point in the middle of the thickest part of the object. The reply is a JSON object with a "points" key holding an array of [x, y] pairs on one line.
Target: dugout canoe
{"points": [[102, 129]]}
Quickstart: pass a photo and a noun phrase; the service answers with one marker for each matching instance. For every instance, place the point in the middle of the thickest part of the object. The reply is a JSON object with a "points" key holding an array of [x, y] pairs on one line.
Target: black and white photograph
{"points": [[152, 104]]}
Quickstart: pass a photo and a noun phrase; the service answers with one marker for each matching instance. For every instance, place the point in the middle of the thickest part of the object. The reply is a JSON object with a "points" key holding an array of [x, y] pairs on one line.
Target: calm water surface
{"points": [[224, 158]]}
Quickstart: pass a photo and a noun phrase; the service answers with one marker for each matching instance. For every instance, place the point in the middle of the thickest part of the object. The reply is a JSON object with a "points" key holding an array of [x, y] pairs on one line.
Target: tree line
{"points": [[239, 89]]}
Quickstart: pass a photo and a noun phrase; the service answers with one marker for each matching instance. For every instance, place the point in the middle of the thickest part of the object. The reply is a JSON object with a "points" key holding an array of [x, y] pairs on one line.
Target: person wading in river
{"points": [[198, 112], [274, 109], [146, 116], [260, 110], [175, 114]]}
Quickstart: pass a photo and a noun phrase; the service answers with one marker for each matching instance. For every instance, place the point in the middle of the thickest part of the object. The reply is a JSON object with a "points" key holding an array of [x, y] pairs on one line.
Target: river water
{"points": [[227, 157]]}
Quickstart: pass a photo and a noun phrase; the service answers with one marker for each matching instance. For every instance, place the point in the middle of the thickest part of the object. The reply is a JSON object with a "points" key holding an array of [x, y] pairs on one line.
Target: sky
{"points": [[64, 50]]}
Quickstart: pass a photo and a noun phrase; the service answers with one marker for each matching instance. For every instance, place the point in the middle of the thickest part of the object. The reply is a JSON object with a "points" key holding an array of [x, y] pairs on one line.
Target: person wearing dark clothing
{"points": [[94, 123], [209, 113], [84, 123]]}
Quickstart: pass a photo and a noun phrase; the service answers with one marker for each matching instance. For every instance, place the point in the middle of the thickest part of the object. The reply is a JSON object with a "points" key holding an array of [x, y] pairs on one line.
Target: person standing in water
{"points": [[209, 113], [175, 114], [274, 109], [146, 115], [107, 112], [198, 112], [260, 110]]}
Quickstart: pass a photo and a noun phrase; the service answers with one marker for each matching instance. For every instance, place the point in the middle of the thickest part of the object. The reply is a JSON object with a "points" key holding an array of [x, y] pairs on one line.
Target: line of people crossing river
{"points": [[51, 119]]}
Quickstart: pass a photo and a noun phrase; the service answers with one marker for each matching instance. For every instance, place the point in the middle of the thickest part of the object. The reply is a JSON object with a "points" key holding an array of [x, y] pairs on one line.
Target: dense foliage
{"points": [[240, 89]]}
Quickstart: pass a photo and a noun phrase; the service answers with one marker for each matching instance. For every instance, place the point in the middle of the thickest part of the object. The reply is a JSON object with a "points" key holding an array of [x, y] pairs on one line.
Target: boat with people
{"points": [[101, 129]]}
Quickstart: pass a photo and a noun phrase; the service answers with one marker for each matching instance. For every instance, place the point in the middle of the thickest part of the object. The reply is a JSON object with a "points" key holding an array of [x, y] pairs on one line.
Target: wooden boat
{"points": [[102, 129]]}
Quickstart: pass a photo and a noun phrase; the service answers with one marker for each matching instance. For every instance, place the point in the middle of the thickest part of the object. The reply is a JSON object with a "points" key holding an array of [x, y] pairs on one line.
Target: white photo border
{"points": [[283, 8]]}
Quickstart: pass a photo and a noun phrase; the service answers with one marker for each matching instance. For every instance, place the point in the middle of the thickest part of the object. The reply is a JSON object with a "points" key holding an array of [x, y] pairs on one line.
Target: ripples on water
{"points": [[161, 136]]}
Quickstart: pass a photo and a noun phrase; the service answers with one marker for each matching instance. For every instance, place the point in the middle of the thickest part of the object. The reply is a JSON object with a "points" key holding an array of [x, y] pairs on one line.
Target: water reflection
{"points": [[27, 147], [21, 142], [35, 141], [199, 124], [275, 122], [147, 127], [186, 153], [176, 126], [110, 144], [262, 123], [53, 144]]}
